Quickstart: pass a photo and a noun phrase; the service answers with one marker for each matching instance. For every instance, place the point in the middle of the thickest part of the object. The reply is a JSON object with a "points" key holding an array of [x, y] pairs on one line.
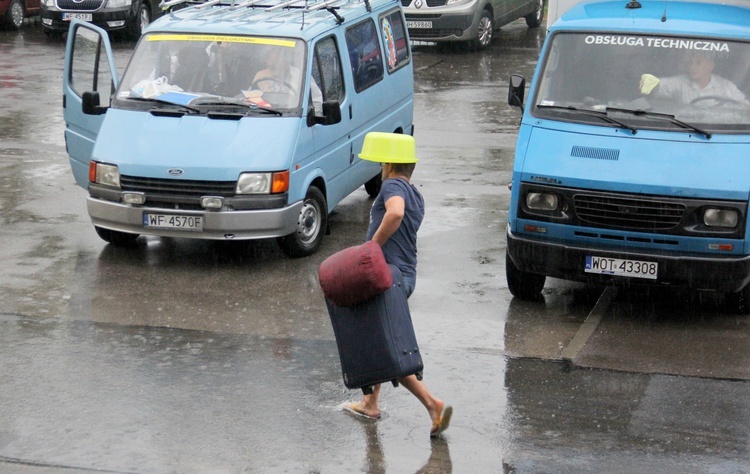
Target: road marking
{"points": [[590, 324]]}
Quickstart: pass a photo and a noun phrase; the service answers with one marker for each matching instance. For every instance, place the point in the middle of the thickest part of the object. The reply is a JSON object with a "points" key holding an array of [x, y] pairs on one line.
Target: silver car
{"points": [[467, 20]]}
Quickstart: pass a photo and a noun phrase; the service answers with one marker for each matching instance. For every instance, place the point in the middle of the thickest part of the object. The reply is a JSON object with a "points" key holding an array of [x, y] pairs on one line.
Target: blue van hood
{"points": [[145, 145], [685, 166]]}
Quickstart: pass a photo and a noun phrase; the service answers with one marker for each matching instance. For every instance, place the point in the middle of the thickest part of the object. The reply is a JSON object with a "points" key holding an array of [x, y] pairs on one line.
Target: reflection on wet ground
{"points": [[110, 397]]}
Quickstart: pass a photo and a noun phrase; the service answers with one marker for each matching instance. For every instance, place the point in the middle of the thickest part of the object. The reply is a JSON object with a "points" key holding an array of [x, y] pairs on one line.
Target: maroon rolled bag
{"points": [[355, 274]]}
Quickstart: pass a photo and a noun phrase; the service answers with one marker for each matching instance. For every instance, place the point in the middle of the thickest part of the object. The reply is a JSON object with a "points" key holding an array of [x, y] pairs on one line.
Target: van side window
{"points": [[328, 80], [394, 39], [364, 54], [90, 69]]}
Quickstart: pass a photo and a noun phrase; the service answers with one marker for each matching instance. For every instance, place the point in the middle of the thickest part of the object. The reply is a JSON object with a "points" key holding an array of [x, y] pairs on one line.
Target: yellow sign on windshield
{"points": [[222, 39]]}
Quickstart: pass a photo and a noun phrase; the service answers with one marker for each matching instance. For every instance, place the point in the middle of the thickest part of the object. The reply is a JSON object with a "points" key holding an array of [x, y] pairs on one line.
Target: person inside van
{"points": [[699, 84], [282, 76]]}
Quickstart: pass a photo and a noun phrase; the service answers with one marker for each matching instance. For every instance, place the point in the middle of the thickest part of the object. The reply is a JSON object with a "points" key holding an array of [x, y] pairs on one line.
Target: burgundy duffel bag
{"points": [[355, 274]]}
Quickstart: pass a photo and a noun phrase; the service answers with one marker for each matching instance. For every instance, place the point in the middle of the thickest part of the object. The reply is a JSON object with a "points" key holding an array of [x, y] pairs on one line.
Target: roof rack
{"points": [[305, 6]]}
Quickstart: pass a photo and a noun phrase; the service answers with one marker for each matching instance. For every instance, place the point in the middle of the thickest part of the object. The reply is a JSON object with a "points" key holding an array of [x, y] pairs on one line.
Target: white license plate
{"points": [[78, 16], [419, 24], [173, 222], [620, 267]]}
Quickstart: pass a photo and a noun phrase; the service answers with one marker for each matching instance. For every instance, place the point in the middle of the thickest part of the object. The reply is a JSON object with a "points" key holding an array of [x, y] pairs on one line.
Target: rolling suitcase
{"points": [[376, 338]]}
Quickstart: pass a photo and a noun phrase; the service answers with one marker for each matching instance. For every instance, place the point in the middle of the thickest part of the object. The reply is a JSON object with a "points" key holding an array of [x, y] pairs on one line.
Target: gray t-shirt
{"points": [[401, 248]]}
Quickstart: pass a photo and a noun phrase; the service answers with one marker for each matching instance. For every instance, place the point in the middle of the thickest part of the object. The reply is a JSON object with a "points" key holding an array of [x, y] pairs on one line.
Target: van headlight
{"points": [[254, 183], [542, 201], [104, 174], [263, 183], [713, 217]]}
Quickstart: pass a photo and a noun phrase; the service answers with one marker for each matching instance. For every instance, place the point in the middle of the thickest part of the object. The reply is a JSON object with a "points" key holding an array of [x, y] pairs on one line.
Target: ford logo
{"points": [[175, 171]]}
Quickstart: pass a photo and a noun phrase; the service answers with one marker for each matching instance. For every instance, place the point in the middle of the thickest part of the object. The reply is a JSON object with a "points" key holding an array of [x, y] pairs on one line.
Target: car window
{"points": [[365, 55], [394, 39]]}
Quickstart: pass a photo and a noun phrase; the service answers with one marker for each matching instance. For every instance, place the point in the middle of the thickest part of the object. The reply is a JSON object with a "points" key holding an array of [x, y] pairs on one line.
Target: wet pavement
{"points": [[186, 356]]}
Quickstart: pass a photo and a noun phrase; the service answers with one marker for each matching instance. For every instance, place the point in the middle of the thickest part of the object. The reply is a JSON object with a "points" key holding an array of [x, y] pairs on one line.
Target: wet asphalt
{"points": [[186, 356]]}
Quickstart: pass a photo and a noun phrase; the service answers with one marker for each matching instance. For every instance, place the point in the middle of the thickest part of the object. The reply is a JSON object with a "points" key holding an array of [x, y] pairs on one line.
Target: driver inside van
{"points": [[698, 84], [281, 76]]}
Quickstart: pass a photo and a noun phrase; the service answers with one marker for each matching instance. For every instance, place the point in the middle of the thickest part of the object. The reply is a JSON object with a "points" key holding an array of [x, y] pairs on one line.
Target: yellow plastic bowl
{"points": [[389, 148]]}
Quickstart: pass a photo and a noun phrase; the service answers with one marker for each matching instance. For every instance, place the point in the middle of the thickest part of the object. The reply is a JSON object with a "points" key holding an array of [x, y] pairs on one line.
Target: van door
{"points": [[332, 140], [382, 81], [89, 70]]}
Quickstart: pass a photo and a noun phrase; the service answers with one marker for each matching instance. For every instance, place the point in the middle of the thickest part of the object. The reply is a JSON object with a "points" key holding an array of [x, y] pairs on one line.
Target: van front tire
{"points": [[534, 19], [485, 29], [739, 302], [311, 226], [523, 285]]}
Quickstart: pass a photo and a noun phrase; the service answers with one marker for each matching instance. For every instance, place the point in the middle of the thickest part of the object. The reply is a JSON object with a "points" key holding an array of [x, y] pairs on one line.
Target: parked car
{"points": [[128, 16], [12, 12], [471, 21]]}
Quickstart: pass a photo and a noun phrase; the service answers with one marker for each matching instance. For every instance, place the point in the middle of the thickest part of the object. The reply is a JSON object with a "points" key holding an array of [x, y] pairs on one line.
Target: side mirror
{"points": [[516, 90], [90, 104], [331, 114]]}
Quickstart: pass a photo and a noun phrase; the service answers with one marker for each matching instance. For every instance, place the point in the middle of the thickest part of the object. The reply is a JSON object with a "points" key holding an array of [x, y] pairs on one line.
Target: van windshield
{"points": [[646, 82], [194, 69]]}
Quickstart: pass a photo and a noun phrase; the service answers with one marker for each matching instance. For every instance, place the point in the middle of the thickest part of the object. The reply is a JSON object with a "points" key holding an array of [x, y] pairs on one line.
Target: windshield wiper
{"points": [[667, 117], [236, 103], [595, 113], [165, 102]]}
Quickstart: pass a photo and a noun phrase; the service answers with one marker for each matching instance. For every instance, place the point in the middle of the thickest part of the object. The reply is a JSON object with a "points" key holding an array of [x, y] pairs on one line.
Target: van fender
{"points": [[316, 178]]}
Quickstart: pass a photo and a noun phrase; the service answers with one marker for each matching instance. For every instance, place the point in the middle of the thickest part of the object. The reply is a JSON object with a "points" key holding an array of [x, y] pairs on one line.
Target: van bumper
{"points": [[724, 274], [445, 27], [52, 18], [217, 225]]}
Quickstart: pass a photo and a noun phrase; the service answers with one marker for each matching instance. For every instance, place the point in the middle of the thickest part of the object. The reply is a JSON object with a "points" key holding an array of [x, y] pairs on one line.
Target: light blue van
{"points": [[236, 120], [633, 158]]}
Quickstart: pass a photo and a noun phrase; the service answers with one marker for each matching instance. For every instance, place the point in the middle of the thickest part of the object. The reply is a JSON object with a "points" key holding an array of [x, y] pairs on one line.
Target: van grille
{"points": [[178, 187], [84, 5], [628, 213]]}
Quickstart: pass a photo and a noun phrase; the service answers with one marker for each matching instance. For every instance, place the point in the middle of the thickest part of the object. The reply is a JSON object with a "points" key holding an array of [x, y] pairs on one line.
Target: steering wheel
{"points": [[283, 86], [718, 98]]}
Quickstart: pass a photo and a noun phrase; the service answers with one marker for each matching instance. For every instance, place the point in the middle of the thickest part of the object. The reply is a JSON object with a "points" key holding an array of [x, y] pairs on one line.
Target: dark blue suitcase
{"points": [[376, 338]]}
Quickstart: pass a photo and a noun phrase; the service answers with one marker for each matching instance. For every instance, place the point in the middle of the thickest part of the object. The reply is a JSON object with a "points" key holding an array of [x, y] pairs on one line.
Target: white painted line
{"points": [[590, 324]]}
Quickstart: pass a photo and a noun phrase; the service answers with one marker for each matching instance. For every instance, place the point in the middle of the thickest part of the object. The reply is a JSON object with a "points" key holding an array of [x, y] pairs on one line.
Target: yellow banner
{"points": [[222, 39]]}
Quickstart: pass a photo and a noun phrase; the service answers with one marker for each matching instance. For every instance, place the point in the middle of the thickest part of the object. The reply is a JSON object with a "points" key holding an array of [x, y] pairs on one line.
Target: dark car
{"points": [[128, 16], [12, 12]]}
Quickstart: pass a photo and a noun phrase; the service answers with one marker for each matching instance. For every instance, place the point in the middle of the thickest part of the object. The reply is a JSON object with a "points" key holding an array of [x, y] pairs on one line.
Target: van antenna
{"points": [[367, 5], [664, 16]]}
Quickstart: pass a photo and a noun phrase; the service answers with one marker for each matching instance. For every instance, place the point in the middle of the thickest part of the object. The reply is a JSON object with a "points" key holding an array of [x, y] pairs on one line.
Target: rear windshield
{"points": [[635, 79], [190, 69]]}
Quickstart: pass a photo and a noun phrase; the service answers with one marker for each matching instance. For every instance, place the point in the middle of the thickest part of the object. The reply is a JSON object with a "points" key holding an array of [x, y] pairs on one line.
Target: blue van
{"points": [[631, 163], [236, 120]]}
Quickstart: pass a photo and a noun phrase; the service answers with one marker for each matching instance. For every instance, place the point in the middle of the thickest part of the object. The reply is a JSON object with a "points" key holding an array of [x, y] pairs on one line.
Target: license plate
{"points": [[621, 267], [173, 222], [77, 16], [419, 24]]}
